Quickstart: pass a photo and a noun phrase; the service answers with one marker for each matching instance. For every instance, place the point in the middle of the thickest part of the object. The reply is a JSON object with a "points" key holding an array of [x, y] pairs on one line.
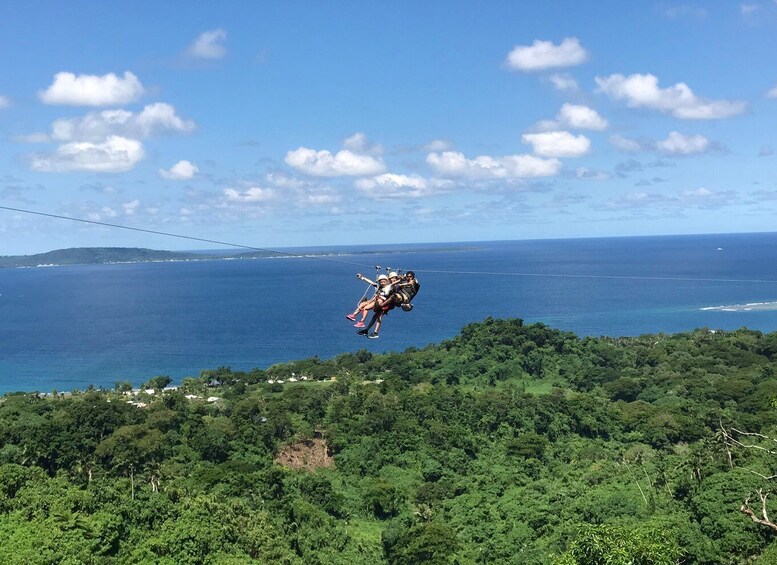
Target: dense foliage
{"points": [[508, 444]]}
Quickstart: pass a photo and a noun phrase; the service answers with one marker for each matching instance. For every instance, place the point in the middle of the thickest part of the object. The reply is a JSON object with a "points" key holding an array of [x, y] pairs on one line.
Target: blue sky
{"points": [[279, 124]]}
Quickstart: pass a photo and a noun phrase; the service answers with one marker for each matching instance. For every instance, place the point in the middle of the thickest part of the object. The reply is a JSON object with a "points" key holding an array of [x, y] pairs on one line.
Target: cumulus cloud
{"points": [[542, 55], [154, 118], [92, 90], [453, 164], [32, 138], [131, 207], [557, 144], [182, 170], [4, 102], [679, 144], [642, 91], [772, 93], [563, 82], [393, 186], [115, 154], [209, 45], [694, 198], [581, 117], [106, 212], [625, 144], [277, 188], [251, 195], [585, 173], [358, 143], [572, 116], [322, 197], [326, 164], [438, 145]]}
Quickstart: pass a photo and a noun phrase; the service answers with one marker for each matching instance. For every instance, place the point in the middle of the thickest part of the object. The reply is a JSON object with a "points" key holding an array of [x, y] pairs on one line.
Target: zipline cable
{"points": [[426, 271], [191, 238], [582, 276]]}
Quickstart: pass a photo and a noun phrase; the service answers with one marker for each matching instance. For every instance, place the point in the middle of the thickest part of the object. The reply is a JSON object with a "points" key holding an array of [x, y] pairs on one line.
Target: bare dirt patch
{"points": [[308, 455]]}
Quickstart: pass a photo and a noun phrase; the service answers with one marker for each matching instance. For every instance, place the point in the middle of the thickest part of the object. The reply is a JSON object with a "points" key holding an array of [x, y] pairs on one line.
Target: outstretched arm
{"points": [[365, 279]]}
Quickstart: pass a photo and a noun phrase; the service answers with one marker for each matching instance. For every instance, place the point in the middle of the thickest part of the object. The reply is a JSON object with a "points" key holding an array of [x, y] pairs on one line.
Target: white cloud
{"points": [[4, 102], [438, 145], [92, 90], [694, 198], [572, 116], [209, 45], [454, 164], [115, 154], [545, 55], [280, 180], [581, 117], [105, 212], [585, 173], [358, 143], [679, 144], [182, 170], [392, 186], [748, 9], [277, 188], [131, 207], [154, 118], [563, 82], [325, 164], [251, 195], [642, 91], [684, 11], [162, 117], [323, 197], [772, 93], [637, 200], [557, 144], [625, 144], [33, 138]]}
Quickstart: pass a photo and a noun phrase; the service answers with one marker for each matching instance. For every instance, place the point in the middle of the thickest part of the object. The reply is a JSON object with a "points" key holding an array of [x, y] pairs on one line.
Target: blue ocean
{"points": [[70, 327]]}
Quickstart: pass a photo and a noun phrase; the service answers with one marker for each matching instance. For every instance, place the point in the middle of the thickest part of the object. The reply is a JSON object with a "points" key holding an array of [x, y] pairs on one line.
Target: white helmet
{"points": [[382, 278], [393, 275]]}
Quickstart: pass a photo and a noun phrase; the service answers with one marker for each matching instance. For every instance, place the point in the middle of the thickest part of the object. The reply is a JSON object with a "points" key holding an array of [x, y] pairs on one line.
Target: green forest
{"points": [[510, 443]]}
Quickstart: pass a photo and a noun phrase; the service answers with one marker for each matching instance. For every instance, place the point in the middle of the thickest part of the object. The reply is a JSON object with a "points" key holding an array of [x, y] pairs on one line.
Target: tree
{"points": [[597, 545], [122, 386], [129, 448], [158, 383], [432, 543]]}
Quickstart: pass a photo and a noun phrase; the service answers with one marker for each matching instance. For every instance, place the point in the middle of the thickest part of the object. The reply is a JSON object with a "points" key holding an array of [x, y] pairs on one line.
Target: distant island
{"points": [[109, 255]]}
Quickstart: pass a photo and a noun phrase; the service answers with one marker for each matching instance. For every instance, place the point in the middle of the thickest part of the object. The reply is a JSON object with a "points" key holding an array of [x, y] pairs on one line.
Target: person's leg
{"points": [[352, 316], [374, 319], [377, 325], [365, 308], [377, 320]]}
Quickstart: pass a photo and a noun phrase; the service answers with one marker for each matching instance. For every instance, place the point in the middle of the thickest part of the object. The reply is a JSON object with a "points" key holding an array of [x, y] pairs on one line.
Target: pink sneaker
{"points": [[351, 317], [358, 325]]}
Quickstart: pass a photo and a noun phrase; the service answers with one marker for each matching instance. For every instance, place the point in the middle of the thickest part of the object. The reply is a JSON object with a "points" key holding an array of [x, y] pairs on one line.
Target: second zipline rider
{"points": [[390, 291]]}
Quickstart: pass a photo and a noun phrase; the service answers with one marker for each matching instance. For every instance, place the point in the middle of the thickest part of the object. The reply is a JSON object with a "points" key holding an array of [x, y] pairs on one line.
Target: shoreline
{"points": [[749, 307]]}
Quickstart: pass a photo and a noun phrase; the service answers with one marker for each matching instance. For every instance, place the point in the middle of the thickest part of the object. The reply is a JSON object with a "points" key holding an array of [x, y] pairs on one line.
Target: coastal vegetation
{"points": [[510, 443], [100, 255], [109, 255]]}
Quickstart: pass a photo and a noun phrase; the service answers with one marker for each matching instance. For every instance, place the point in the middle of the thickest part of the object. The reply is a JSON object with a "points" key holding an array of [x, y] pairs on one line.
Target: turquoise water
{"points": [[68, 327]]}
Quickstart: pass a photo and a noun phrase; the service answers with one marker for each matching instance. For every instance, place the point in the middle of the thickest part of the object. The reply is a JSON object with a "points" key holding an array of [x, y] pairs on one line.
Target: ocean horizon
{"points": [[69, 327]]}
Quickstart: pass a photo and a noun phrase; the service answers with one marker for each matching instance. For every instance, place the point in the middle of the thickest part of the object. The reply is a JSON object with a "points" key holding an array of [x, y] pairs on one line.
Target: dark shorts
{"points": [[401, 297]]}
